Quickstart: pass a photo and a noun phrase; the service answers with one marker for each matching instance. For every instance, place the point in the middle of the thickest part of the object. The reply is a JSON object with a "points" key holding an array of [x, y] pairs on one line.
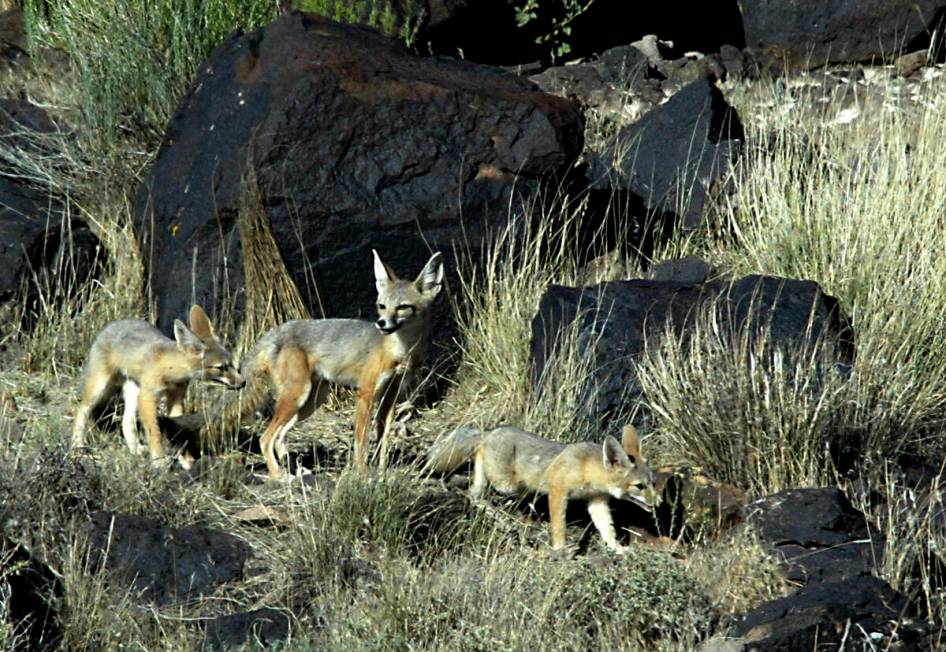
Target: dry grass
{"points": [[394, 560]]}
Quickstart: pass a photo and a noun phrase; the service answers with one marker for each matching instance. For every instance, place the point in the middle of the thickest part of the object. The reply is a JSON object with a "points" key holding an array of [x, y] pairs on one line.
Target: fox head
{"points": [[630, 477], [400, 302], [216, 363]]}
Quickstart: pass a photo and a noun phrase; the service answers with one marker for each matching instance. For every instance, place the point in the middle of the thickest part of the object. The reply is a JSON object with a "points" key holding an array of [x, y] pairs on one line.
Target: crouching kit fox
{"points": [[148, 366], [514, 460]]}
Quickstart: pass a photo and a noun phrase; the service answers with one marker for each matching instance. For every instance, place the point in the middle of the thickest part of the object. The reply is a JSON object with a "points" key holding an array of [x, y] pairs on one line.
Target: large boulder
{"points": [[161, 564], [676, 156], [354, 143], [613, 320], [803, 34]]}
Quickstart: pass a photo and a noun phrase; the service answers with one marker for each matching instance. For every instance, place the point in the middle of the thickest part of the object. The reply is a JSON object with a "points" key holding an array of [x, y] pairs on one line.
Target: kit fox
{"points": [[513, 460], [297, 361], [147, 365]]}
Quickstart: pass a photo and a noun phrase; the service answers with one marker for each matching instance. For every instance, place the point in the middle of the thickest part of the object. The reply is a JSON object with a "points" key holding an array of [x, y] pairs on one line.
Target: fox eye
{"points": [[404, 307], [639, 485], [381, 306]]}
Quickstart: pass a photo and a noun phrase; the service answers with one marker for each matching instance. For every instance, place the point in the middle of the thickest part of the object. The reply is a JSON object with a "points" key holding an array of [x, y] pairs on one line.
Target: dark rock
{"points": [[686, 70], [607, 82], [909, 64], [688, 269], [13, 45], [808, 517], [261, 627], [817, 534], [677, 153], [355, 143], [616, 317], [820, 616], [804, 34], [41, 249], [733, 61], [164, 565], [29, 588]]}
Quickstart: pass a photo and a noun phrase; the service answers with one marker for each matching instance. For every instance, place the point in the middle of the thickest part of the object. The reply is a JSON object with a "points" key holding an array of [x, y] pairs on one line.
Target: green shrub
{"points": [[133, 59], [397, 18]]}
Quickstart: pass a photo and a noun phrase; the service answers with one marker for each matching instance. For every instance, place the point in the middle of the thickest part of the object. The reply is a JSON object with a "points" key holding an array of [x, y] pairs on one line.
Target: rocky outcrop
{"points": [[805, 34], [352, 143]]}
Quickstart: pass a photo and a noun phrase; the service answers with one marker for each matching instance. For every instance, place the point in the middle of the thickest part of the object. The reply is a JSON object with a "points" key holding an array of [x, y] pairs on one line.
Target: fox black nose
{"points": [[382, 323]]}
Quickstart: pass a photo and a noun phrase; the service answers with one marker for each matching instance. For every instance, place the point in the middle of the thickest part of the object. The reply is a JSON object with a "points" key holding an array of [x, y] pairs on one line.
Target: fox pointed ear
{"points": [[613, 454], [430, 279], [631, 442], [383, 275], [185, 338], [200, 323]]}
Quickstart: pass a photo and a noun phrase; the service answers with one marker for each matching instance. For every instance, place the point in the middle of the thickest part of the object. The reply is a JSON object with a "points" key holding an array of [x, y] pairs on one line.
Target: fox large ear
{"points": [[200, 323], [613, 454], [430, 279], [631, 443], [383, 275], [185, 338]]}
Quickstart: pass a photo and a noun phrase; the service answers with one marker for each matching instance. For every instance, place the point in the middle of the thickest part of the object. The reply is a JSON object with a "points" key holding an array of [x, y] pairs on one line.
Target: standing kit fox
{"points": [[298, 359], [148, 365], [511, 460]]}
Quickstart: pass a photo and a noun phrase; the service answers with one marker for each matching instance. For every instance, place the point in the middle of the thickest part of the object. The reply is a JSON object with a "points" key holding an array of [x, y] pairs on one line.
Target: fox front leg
{"points": [[558, 502], [600, 513]]}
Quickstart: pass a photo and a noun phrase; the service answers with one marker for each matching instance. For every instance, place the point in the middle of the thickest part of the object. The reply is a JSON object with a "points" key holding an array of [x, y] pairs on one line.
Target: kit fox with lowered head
{"points": [[147, 365], [513, 460], [297, 361]]}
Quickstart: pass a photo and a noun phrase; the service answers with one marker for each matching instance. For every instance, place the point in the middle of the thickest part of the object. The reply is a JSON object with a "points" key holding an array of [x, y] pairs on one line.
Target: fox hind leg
{"points": [[479, 483], [293, 380], [97, 387]]}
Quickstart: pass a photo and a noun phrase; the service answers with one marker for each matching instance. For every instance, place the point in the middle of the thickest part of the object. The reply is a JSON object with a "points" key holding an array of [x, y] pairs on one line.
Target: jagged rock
{"points": [[821, 615], [355, 143], [616, 317], [817, 534], [806, 34], [675, 155]]}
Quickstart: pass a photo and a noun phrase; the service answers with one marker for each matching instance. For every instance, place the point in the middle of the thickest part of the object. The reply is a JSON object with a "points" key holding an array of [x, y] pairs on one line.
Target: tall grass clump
{"points": [[750, 413], [858, 207], [133, 59]]}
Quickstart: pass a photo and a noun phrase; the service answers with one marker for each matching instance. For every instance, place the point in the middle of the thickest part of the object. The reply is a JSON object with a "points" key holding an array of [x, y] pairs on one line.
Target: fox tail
{"points": [[453, 450]]}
